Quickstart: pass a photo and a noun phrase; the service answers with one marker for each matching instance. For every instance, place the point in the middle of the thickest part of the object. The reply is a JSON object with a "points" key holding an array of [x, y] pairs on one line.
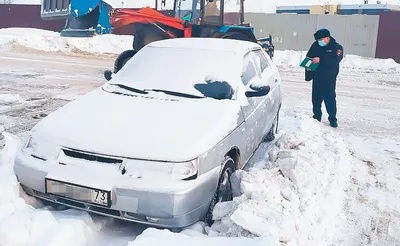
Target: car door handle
{"points": [[276, 80]]}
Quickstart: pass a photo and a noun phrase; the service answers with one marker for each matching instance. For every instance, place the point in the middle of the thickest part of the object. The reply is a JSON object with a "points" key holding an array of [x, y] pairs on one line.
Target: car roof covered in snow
{"points": [[216, 44]]}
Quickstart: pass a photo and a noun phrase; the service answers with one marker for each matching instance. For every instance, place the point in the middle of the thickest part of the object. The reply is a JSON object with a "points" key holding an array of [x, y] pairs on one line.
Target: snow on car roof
{"points": [[215, 44]]}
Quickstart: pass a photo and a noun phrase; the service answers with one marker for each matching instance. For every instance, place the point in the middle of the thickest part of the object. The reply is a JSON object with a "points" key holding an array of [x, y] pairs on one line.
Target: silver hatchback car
{"points": [[157, 144]]}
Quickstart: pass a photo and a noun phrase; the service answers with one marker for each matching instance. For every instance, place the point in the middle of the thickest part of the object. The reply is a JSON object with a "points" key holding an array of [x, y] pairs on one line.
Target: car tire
{"points": [[224, 188], [274, 129], [122, 59]]}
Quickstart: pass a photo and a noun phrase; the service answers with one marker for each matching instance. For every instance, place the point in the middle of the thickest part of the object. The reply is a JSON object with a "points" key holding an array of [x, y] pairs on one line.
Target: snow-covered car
{"points": [[157, 144]]}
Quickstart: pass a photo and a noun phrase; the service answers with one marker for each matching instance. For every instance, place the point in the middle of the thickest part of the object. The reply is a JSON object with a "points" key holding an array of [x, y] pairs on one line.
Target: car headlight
{"points": [[154, 169], [42, 148]]}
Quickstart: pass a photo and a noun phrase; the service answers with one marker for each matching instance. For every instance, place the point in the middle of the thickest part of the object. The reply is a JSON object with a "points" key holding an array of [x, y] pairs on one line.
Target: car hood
{"points": [[150, 127]]}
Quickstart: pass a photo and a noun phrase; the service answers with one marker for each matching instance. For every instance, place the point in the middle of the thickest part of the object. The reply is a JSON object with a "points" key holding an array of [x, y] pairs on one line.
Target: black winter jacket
{"points": [[330, 57]]}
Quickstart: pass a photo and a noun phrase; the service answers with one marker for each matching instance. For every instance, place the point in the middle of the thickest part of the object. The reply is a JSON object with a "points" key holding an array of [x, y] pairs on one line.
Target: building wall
{"points": [[357, 33], [13, 15], [324, 9], [389, 36]]}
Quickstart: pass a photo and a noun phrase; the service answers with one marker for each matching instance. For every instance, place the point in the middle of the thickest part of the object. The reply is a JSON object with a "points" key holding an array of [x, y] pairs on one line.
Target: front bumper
{"points": [[163, 203]]}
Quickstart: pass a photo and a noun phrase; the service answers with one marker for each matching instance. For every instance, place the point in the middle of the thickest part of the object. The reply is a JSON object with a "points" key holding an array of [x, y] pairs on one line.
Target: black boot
{"points": [[333, 124], [317, 118]]}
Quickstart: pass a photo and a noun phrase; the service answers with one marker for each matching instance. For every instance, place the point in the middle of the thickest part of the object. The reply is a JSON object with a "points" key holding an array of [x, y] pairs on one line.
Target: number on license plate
{"points": [[99, 197]]}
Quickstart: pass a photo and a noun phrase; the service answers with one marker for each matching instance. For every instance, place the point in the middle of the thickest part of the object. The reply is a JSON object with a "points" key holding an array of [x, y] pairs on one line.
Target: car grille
{"points": [[90, 157]]}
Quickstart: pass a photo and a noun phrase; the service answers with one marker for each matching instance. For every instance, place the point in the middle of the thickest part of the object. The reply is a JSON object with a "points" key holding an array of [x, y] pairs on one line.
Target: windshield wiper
{"points": [[174, 93], [128, 88]]}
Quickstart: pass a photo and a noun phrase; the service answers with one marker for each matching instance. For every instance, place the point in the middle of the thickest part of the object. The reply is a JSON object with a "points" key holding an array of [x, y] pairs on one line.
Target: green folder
{"points": [[307, 63]]}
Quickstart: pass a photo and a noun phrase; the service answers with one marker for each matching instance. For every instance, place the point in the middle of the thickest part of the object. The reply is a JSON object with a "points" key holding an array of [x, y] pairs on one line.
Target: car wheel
{"points": [[224, 188], [122, 59], [274, 129]]}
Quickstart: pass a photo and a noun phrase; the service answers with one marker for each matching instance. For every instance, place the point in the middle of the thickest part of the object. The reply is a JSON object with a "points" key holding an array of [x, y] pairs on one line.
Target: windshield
{"points": [[187, 9], [179, 70]]}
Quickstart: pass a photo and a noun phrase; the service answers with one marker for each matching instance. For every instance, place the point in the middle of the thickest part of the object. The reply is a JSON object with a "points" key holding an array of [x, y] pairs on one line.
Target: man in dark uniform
{"points": [[328, 53]]}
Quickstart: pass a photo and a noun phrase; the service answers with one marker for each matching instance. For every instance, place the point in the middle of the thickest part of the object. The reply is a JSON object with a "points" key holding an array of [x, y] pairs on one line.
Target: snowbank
{"points": [[153, 237], [290, 58], [298, 197], [49, 41], [293, 197], [21, 224]]}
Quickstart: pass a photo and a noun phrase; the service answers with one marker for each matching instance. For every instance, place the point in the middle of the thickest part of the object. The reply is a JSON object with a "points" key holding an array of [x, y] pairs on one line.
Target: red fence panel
{"points": [[389, 36], [16, 15]]}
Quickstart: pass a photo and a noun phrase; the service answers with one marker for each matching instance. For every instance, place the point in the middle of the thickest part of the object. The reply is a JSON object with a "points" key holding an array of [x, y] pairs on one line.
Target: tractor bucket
{"points": [[84, 18], [123, 17]]}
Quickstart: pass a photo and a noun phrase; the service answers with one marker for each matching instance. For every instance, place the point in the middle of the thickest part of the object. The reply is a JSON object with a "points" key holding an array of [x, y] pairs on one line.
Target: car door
{"points": [[275, 81], [271, 76], [255, 110]]}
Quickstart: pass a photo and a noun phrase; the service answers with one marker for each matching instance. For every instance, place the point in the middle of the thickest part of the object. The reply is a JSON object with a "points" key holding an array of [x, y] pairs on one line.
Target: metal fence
{"points": [[389, 36], [357, 33], [13, 15]]}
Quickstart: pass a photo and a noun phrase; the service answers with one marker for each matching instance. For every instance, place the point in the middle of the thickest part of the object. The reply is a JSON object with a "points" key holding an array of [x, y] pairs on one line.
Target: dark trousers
{"points": [[324, 91]]}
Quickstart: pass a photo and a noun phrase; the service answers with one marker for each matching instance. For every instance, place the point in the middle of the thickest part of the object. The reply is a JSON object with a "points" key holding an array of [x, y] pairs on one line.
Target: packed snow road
{"points": [[32, 84], [308, 189]]}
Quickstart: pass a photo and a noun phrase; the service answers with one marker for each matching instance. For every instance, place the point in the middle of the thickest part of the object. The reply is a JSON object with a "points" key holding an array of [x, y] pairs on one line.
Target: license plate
{"points": [[78, 192]]}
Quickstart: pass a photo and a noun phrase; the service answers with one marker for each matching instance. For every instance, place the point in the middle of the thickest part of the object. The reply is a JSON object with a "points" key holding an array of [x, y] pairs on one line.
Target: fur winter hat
{"points": [[322, 33]]}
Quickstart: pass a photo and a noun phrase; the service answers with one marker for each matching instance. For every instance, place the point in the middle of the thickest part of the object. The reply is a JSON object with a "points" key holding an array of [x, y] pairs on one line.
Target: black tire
{"points": [[122, 59], [223, 193], [274, 129]]}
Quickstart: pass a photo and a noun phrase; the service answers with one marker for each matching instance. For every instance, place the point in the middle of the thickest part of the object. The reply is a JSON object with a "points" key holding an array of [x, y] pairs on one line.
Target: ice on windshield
{"points": [[179, 70], [215, 89]]}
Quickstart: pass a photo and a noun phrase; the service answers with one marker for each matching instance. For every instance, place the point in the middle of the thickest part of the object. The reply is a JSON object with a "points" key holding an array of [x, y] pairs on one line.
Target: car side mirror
{"points": [[258, 91]]}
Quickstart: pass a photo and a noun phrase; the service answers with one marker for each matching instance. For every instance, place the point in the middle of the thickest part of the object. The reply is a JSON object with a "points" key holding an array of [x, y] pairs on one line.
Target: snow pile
{"points": [[153, 237], [10, 98], [353, 61], [288, 57], [21, 224], [292, 58], [49, 41], [294, 197], [298, 198]]}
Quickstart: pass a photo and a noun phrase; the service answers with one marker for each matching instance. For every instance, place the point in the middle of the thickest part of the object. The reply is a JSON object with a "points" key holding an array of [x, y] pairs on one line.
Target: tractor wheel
{"points": [[232, 35], [122, 59]]}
